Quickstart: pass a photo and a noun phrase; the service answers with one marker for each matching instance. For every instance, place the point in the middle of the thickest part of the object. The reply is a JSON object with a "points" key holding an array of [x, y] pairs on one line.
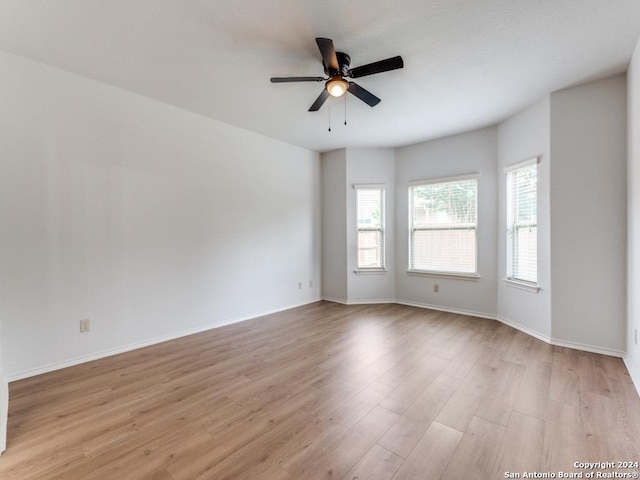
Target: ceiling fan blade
{"points": [[296, 79], [392, 63], [328, 53], [365, 95], [319, 101]]}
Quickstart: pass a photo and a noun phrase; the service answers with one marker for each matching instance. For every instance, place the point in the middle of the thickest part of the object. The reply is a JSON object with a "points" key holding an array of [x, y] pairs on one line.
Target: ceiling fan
{"points": [[336, 67]]}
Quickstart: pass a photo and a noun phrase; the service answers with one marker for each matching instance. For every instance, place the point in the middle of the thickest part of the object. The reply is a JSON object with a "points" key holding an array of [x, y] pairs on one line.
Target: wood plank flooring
{"points": [[328, 391]]}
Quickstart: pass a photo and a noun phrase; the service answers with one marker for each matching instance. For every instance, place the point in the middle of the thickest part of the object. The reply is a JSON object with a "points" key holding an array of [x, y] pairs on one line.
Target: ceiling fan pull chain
{"points": [[329, 116], [345, 109]]}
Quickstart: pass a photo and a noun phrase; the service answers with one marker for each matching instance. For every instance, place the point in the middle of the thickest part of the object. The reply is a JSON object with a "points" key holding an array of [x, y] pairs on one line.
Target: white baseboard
{"points": [[439, 308], [412, 304], [506, 321], [358, 302], [588, 348], [634, 372], [562, 343], [4, 413], [336, 300], [145, 343], [370, 302], [524, 329]]}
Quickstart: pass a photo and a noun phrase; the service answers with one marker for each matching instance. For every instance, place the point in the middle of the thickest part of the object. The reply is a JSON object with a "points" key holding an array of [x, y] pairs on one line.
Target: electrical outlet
{"points": [[436, 288], [299, 285], [84, 325], [310, 283]]}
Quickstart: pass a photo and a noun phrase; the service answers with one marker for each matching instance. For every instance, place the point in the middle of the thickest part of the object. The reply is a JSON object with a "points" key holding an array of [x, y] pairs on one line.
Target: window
{"points": [[370, 219], [522, 222], [443, 223]]}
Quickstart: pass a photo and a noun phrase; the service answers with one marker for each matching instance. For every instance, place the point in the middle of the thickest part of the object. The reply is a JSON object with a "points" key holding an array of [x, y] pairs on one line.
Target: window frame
{"points": [[512, 226], [442, 273], [382, 259]]}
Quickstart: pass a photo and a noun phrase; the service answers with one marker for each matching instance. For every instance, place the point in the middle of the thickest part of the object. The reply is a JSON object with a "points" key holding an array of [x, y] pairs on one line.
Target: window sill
{"points": [[454, 276], [529, 287], [370, 271]]}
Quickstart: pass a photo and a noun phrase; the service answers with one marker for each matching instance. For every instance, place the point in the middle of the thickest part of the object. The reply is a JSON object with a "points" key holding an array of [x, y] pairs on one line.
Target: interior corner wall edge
{"points": [[141, 217], [632, 358]]}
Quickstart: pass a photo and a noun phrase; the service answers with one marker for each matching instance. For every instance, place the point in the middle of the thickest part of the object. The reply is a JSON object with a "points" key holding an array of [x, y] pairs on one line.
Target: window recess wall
{"points": [[455, 157], [343, 278]]}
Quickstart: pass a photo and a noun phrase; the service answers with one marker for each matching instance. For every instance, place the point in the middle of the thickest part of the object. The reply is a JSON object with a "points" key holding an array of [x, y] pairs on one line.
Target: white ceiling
{"points": [[468, 63]]}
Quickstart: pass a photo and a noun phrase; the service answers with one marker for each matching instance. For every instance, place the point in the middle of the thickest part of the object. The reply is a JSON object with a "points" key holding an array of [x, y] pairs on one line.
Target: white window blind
{"points": [[522, 223], [443, 223], [370, 220]]}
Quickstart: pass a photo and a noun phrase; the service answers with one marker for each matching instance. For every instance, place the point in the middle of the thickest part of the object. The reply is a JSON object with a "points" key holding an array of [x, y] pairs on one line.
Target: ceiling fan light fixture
{"points": [[337, 86]]}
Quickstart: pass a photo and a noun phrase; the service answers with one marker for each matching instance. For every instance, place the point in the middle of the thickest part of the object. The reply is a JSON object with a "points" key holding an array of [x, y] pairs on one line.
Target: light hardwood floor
{"points": [[327, 391]]}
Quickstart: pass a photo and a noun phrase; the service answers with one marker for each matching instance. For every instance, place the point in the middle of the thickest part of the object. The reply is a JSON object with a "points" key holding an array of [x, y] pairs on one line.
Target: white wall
{"points": [[149, 220], [367, 166], [632, 359], [523, 136], [588, 215], [473, 152], [334, 226]]}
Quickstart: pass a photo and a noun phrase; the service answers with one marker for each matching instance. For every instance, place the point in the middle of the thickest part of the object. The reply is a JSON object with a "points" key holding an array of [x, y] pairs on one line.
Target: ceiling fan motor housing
{"points": [[344, 61]]}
